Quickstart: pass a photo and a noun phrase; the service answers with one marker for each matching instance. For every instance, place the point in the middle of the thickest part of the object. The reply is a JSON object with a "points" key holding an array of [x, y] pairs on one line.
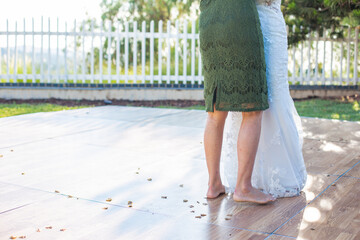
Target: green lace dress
{"points": [[232, 52]]}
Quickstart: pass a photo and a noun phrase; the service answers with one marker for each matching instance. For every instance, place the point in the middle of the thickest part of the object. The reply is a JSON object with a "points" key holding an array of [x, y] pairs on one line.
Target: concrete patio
{"points": [[71, 175]]}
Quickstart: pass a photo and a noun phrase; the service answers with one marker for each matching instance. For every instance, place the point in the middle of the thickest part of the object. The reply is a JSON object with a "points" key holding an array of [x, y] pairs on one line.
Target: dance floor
{"points": [[140, 173]]}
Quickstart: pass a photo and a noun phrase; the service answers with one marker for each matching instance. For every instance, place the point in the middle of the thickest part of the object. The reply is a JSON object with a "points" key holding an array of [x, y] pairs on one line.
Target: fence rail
{"points": [[125, 54]]}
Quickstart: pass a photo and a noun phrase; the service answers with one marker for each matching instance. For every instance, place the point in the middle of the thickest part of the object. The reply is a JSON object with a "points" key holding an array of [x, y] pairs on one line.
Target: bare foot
{"points": [[253, 195], [215, 191]]}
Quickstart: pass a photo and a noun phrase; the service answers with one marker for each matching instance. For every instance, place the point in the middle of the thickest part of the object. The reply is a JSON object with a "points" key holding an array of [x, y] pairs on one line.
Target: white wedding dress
{"points": [[279, 167]]}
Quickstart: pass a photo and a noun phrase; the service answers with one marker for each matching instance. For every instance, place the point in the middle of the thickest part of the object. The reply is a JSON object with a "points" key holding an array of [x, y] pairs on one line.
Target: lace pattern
{"points": [[232, 51], [279, 167]]}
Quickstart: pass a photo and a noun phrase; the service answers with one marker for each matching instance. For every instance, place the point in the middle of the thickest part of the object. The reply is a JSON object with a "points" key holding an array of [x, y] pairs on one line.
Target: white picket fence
{"points": [[61, 56]]}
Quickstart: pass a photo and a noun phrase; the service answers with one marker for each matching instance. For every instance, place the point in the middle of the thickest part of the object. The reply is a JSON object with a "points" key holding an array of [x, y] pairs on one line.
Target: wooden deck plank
{"points": [[116, 153], [279, 237], [88, 220], [355, 171], [322, 156], [333, 215], [13, 197], [331, 130]]}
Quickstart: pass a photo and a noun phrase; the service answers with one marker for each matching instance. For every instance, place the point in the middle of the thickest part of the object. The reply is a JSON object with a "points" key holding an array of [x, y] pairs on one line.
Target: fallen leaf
{"points": [[109, 200], [12, 237], [130, 202], [334, 184], [312, 228], [203, 214], [230, 215], [149, 179], [138, 168], [191, 206], [129, 205], [69, 196], [137, 172], [192, 211], [11, 150], [22, 173], [38, 230], [205, 204], [181, 185], [185, 200], [1, 156], [198, 202], [227, 219], [105, 208], [197, 216], [164, 197], [56, 191], [22, 237], [49, 227], [63, 229]]}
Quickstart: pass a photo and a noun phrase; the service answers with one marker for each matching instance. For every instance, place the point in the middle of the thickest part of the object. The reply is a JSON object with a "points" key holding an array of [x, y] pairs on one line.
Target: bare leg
{"points": [[248, 141], [213, 137]]}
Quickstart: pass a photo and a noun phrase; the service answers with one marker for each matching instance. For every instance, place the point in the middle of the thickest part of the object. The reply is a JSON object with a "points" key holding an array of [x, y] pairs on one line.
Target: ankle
{"points": [[246, 188], [215, 184]]}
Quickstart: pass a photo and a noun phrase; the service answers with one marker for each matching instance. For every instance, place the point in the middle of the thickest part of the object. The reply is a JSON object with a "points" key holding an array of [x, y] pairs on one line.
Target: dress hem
{"points": [[238, 110]]}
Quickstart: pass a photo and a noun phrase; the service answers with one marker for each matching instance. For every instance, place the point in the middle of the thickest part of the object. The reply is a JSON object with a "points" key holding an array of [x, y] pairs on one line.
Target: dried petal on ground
{"points": [[227, 219], [49, 227], [185, 200], [69, 196], [229, 215], [334, 184], [164, 197], [149, 179], [203, 214], [13, 237], [197, 216], [191, 206], [38, 230], [105, 208], [62, 229], [22, 237], [56, 191], [109, 200]]}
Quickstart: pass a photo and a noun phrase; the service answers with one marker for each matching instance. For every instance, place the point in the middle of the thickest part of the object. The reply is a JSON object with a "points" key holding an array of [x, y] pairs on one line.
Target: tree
{"points": [[317, 15]]}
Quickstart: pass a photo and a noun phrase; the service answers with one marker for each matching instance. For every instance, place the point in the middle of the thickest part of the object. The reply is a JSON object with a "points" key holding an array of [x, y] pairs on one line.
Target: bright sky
{"points": [[66, 10]]}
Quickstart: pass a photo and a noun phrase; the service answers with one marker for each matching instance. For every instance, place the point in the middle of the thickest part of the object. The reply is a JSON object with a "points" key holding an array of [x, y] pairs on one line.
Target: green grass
{"points": [[330, 109], [7, 110]]}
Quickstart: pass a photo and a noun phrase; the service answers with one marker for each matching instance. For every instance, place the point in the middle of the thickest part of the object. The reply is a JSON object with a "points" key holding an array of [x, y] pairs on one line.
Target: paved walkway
{"points": [[71, 175]]}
